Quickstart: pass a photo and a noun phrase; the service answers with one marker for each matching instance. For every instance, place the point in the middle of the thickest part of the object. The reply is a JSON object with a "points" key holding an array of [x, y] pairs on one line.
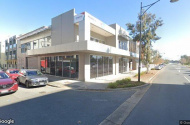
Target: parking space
{"points": [[24, 93]]}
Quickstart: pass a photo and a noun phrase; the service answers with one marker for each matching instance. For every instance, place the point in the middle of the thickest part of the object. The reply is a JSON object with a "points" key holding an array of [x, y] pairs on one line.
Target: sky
{"points": [[22, 16]]}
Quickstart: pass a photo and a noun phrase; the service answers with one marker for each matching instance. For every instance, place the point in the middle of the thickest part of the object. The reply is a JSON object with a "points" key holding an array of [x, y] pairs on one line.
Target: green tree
{"points": [[149, 26], [185, 59]]}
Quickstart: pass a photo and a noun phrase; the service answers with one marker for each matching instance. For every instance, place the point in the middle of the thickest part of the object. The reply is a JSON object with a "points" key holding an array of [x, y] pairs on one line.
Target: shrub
{"points": [[140, 73], [112, 85], [124, 83]]}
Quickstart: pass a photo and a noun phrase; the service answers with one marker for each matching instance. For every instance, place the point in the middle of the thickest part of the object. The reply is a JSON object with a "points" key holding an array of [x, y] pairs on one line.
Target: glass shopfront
{"points": [[65, 66], [123, 63], [100, 66]]}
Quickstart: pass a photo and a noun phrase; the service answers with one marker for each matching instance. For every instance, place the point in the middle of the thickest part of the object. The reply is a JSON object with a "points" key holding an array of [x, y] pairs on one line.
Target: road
{"points": [[167, 100], [67, 107]]}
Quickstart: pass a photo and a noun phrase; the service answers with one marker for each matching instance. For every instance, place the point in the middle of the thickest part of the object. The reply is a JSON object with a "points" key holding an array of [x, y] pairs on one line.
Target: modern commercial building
{"points": [[3, 63], [11, 52], [78, 46]]}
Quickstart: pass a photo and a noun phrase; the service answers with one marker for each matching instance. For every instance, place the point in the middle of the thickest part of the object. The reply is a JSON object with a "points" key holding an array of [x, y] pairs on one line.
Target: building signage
{"points": [[79, 17]]}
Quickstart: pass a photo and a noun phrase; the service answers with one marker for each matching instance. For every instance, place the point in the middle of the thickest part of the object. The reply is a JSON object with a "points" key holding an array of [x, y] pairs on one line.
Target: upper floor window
{"points": [[28, 46], [35, 44], [23, 48], [123, 45]]}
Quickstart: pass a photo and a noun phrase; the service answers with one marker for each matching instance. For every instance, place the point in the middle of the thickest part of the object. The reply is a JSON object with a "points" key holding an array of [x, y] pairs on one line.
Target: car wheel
{"points": [[27, 84]]}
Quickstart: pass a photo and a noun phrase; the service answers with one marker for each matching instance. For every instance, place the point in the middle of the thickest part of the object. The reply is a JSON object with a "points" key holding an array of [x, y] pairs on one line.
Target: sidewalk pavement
{"points": [[93, 84]]}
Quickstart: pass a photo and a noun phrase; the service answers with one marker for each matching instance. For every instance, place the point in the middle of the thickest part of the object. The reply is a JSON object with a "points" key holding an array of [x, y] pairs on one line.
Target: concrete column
{"points": [[135, 64], [117, 66], [127, 65], [39, 63], [114, 65], [131, 65], [87, 67], [116, 34], [81, 66], [84, 29]]}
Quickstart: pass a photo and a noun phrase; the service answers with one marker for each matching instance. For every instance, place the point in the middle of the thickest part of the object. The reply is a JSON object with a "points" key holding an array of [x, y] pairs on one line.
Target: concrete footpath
{"points": [[93, 84]]}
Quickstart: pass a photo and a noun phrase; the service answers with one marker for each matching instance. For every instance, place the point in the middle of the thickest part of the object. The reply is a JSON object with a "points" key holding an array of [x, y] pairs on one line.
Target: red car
{"points": [[13, 73], [7, 85]]}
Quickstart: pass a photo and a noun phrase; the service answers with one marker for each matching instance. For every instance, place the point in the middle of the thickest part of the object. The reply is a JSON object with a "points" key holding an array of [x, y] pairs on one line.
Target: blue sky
{"points": [[21, 16]]}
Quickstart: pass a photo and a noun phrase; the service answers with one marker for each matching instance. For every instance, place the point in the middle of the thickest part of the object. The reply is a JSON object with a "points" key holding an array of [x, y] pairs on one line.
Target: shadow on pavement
{"points": [[65, 108]]}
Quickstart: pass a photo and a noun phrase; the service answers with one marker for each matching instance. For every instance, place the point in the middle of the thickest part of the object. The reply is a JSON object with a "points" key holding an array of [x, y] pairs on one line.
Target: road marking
{"points": [[179, 70], [187, 79]]}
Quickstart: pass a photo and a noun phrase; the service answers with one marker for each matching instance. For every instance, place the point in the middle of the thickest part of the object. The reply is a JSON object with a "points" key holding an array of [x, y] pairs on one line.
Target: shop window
{"points": [[100, 66], [43, 64], [52, 65]]}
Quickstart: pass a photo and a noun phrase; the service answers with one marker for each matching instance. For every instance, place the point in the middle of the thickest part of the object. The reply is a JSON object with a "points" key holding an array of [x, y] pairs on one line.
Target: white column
{"points": [[87, 67], [114, 65], [81, 66], [84, 29], [128, 65], [131, 65], [117, 66]]}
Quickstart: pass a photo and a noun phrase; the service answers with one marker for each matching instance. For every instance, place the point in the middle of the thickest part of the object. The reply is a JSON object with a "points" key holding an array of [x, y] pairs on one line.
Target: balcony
{"points": [[14, 46], [13, 56], [10, 47], [7, 48], [9, 57]]}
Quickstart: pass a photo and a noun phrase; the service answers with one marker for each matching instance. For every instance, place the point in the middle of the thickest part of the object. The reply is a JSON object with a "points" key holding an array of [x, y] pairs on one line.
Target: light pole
{"points": [[141, 14]]}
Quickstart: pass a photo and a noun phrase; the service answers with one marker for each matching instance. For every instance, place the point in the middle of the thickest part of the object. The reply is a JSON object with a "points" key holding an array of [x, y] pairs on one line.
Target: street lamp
{"points": [[141, 14], [172, 1]]}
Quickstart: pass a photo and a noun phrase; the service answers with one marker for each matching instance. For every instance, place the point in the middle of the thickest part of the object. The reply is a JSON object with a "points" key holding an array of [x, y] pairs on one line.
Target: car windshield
{"points": [[33, 73], [14, 71], [3, 76]]}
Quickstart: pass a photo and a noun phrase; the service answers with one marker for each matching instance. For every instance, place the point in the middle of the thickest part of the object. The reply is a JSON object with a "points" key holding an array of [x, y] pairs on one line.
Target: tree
{"points": [[156, 57], [185, 59], [149, 26]]}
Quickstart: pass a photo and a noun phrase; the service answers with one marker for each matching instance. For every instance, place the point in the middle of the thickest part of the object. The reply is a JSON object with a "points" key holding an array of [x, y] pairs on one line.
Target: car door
{"points": [[24, 77], [21, 76]]}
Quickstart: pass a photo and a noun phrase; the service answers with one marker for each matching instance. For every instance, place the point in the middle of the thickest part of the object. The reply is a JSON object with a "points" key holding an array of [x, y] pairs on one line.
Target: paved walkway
{"points": [[93, 84]]}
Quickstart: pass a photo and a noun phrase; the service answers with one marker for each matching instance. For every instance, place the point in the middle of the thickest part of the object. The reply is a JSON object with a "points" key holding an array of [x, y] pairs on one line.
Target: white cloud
{"points": [[4, 36], [173, 49]]}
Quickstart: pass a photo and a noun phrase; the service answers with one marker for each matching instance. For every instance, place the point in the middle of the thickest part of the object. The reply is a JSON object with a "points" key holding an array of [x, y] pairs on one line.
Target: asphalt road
{"points": [[67, 107], [167, 101]]}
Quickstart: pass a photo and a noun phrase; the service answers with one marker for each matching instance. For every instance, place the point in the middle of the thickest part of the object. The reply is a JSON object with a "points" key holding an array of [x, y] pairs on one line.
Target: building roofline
{"points": [[36, 31]]}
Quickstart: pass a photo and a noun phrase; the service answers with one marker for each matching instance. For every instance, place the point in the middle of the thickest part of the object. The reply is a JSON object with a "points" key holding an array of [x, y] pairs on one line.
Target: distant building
{"points": [[11, 52], [3, 63]]}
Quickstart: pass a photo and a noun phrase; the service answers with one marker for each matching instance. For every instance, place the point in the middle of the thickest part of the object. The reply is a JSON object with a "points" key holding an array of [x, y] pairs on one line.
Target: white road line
{"points": [[179, 70], [187, 79]]}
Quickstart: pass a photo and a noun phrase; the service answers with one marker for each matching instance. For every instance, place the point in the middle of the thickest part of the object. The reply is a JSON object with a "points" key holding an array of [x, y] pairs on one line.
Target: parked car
{"points": [[7, 85], [159, 67], [32, 77], [13, 73]]}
